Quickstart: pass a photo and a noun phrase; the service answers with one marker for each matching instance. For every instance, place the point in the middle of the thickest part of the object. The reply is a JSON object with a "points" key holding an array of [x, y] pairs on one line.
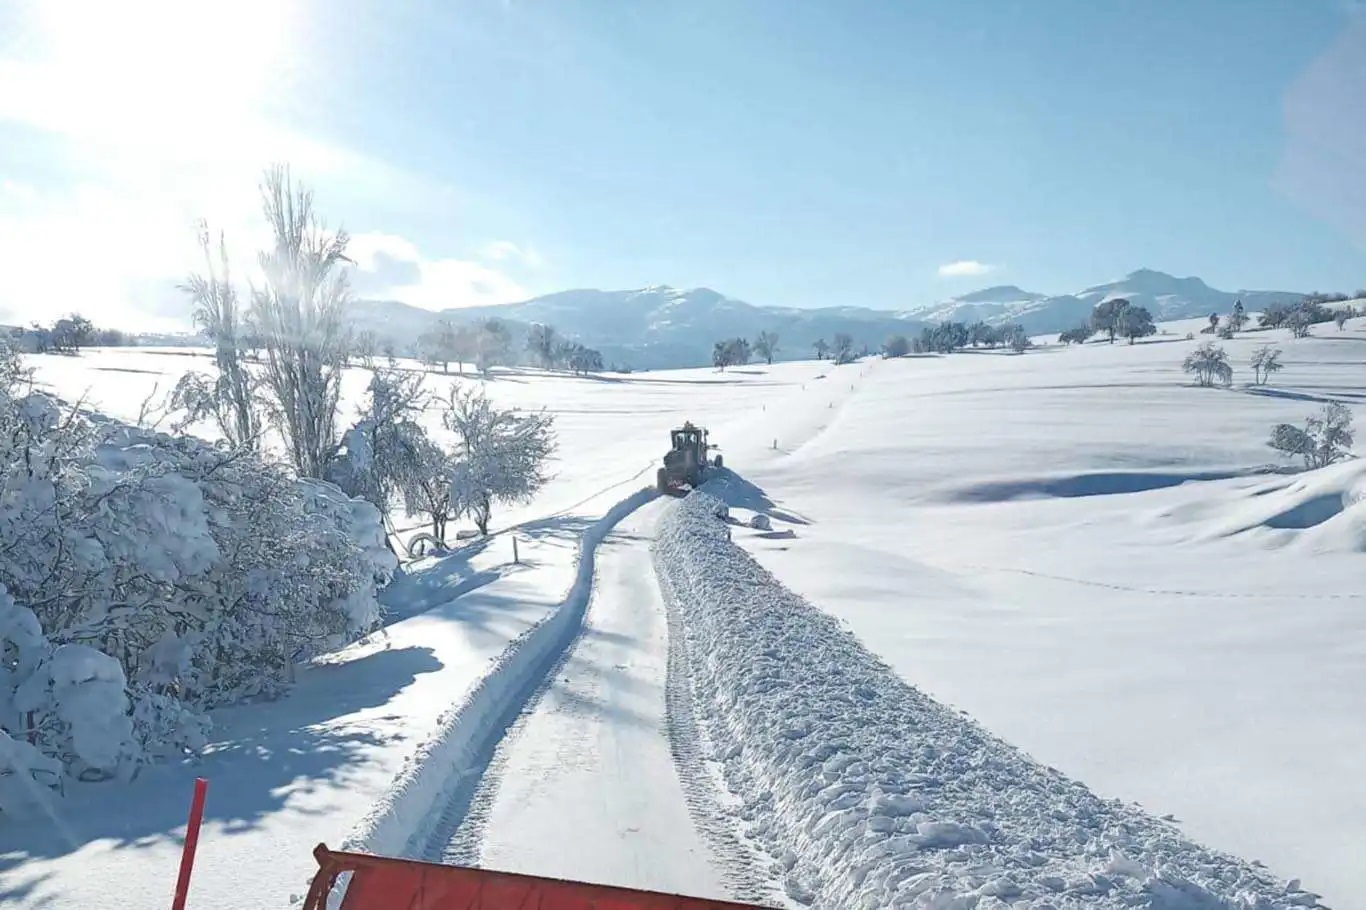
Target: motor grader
{"points": [[686, 462]]}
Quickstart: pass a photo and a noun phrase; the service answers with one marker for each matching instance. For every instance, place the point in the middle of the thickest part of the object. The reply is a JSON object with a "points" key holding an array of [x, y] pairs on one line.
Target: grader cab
{"points": [[686, 463]]}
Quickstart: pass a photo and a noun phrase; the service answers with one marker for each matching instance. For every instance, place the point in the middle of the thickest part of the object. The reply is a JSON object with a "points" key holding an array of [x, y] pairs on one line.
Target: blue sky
{"points": [[783, 152]]}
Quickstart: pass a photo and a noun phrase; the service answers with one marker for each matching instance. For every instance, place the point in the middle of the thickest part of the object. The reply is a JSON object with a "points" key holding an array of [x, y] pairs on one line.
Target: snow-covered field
{"points": [[1073, 546]]}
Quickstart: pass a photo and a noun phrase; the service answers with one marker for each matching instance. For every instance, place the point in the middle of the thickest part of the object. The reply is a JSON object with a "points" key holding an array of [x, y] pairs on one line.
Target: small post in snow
{"points": [[182, 886], [515, 557]]}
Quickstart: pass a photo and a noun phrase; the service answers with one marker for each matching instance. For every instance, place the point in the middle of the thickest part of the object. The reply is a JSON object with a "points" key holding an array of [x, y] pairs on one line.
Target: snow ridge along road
{"points": [[870, 794], [442, 772], [584, 785]]}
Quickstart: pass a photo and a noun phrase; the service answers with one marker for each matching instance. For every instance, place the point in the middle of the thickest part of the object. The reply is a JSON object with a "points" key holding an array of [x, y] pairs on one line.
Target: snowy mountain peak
{"points": [[1001, 293]]}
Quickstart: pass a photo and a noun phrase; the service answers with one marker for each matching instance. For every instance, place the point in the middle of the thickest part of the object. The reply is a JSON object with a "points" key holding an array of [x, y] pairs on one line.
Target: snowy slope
{"points": [[651, 328], [1165, 296], [1074, 547], [1012, 535]]}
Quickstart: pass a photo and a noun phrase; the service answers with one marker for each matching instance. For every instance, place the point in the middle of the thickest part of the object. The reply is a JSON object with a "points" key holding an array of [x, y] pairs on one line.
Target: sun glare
{"points": [[151, 70]]}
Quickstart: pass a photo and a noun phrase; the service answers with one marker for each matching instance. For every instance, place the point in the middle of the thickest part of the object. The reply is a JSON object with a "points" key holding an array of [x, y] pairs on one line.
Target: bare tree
{"points": [[231, 399], [896, 346], [821, 347], [766, 345], [300, 313], [1341, 316]]}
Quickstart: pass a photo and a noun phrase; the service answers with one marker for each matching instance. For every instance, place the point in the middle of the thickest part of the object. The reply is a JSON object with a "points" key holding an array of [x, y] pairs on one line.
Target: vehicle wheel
{"points": [[718, 461]]}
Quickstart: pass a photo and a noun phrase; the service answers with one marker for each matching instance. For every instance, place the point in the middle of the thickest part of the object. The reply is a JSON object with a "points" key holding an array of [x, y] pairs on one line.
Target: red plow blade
{"points": [[385, 883]]}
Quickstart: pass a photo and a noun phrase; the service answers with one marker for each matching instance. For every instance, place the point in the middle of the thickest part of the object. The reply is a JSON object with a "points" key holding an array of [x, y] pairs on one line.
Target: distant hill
{"points": [[1165, 296], [663, 327], [649, 328]]}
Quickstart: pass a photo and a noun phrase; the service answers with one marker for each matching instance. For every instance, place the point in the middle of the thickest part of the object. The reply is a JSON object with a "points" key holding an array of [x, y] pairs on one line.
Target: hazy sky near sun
{"points": [[782, 151]]}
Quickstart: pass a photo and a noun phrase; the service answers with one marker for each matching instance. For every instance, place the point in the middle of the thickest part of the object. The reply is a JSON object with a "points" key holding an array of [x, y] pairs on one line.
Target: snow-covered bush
{"points": [[1209, 362], [1324, 440], [1265, 361], [147, 578]]}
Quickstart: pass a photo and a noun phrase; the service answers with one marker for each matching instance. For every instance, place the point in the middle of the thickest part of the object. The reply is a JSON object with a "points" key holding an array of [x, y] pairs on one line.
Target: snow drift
{"points": [[866, 793]]}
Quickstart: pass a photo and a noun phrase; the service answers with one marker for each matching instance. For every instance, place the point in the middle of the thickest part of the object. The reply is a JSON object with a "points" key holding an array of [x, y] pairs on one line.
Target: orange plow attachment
{"points": [[384, 883]]}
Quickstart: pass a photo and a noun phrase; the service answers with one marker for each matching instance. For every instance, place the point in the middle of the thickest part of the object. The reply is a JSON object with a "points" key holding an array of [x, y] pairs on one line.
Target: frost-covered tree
{"points": [[438, 345], [1079, 335], [543, 344], [843, 350], [300, 313], [231, 398], [1299, 322], [1135, 322], [729, 353], [501, 455], [1326, 437], [1209, 362], [492, 344], [896, 346], [766, 345], [583, 360], [71, 333], [1341, 316], [821, 347], [1238, 318], [381, 455], [428, 492], [1017, 339], [1265, 361], [1105, 317]]}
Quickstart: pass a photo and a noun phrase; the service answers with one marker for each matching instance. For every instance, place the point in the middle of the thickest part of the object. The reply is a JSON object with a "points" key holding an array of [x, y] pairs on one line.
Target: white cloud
{"points": [[392, 267], [965, 268]]}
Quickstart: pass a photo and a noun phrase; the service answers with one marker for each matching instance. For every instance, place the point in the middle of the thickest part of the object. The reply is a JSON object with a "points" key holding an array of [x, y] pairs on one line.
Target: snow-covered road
{"points": [[584, 785]]}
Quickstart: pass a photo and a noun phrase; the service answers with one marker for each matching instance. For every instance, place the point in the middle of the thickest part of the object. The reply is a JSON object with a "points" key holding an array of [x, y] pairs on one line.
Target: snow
{"points": [[1103, 565], [584, 785], [868, 794]]}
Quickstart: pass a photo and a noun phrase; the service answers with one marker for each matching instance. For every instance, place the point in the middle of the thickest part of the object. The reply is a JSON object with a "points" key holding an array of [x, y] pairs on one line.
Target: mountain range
{"points": [[663, 327]]}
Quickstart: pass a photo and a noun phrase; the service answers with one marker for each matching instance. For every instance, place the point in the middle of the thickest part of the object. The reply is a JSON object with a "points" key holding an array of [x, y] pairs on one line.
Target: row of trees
{"points": [[66, 335], [947, 337], [1117, 318]]}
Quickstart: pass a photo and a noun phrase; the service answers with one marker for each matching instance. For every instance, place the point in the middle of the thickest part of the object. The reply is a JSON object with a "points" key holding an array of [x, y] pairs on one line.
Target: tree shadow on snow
{"points": [[1264, 392], [261, 756]]}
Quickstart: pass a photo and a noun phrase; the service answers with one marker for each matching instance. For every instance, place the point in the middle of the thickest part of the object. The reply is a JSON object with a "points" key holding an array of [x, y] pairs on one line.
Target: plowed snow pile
{"points": [[867, 793]]}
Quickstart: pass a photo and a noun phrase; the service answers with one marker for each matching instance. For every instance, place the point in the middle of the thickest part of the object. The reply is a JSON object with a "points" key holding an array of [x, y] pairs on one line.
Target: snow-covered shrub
{"points": [[1209, 362], [147, 578], [1324, 440], [1265, 361]]}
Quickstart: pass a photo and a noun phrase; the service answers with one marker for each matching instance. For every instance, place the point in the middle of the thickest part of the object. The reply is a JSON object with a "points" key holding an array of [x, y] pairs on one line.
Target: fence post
{"points": [[515, 557], [182, 887]]}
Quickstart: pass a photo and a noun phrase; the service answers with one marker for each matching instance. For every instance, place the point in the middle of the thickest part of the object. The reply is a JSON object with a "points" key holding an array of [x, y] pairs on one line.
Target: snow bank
{"points": [[438, 770], [868, 794], [1323, 510]]}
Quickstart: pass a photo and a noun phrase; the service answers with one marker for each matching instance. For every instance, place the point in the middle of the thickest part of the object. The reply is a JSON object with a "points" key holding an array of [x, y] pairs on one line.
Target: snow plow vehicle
{"points": [[686, 463], [382, 883]]}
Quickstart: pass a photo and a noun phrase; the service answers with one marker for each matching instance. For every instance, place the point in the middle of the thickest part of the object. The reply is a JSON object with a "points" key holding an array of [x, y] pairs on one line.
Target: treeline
{"points": [[66, 335]]}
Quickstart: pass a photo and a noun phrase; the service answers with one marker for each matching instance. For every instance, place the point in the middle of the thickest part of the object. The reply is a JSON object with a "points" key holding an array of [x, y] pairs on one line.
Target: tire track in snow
{"points": [[431, 793], [558, 742]]}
